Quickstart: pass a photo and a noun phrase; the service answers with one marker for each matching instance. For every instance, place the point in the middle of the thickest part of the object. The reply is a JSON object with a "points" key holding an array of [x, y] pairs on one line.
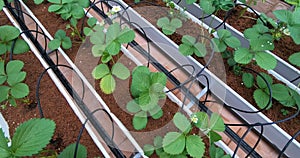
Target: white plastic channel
{"points": [[5, 128], [56, 80], [272, 72]]}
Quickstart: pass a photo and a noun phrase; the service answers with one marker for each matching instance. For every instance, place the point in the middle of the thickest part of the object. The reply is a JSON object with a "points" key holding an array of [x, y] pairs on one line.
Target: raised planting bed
{"points": [[283, 71], [54, 106], [100, 101], [229, 100]]}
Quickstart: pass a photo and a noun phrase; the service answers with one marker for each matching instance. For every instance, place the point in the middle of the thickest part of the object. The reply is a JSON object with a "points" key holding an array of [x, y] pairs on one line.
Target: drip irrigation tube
{"points": [[117, 152], [157, 65]]}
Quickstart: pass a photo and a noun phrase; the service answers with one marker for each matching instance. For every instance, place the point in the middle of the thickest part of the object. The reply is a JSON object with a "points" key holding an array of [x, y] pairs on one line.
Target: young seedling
{"points": [[60, 39], [168, 25], [11, 78], [224, 40], [285, 95], [191, 46], [146, 89], [184, 143]]}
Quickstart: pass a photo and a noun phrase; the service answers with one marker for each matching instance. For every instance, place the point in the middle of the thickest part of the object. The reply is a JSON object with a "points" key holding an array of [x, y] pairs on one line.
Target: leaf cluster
{"points": [[285, 95], [67, 9], [11, 78], [184, 143], [191, 46], [9, 35], [210, 6], [60, 39], [146, 89], [108, 44], [224, 40], [106, 76], [260, 40], [168, 25]]}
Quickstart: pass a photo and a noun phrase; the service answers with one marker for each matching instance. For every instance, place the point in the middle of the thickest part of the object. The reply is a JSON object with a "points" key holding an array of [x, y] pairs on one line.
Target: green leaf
{"points": [[133, 107], [216, 123], [156, 112], [19, 90], [120, 71], [3, 48], [181, 122], [148, 149], [8, 33], [195, 146], [158, 141], [92, 21], [283, 15], [214, 136], [4, 93], [232, 42], [14, 66], [54, 7], [185, 49], [162, 22], [265, 60], [261, 83], [248, 80], [220, 46], [66, 43], [4, 150], [113, 48], [108, 84], [140, 80], [295, 34], [126, 35], [69, 151], [207, 6], [200, 49], [295, 59], [140, 120], [20, 47], [54, 44], [223, 33], [189, 40], [261, 44], [15, 78], [243, 56], [174, 143], [112, 32], [158, 77], [100, 71], [190, 1], [38, 1], [280, 92], [32, 136], [203, 120], [1, 4], [261, 98], [98, 50], [176, 23]]}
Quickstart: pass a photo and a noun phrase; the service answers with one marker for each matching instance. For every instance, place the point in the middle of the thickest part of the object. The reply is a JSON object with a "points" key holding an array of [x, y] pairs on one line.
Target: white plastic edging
{"points": [[59, 85], [5, 128]]}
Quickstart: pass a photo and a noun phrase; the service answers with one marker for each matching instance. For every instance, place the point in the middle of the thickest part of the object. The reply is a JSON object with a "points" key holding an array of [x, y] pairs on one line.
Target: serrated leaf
{"points": [[174, 143], [280, 92], [112, 32], [69, 151], [32, 136], [189, 40], [261, 44], [126, 35], [140, 120], [261, 83], [100, 71], [295, 59], [195, 146], [20, 47], [148, 149], [14, 66], [4, 150], [113, 48], [283, 15], [248, 80], [158, 77], [19, 90], [133, 107], [214, 136], [4, 93], [181, 122], [156, 112], [207, 6], [108, 84], [216, 123], [8, 33], [54, 44], [261, 98], [185, 49], [140, 80], [232, 42], [16, 78], [98, 50], [54, 7], [243, 56], [120, 71], [202, 121]]}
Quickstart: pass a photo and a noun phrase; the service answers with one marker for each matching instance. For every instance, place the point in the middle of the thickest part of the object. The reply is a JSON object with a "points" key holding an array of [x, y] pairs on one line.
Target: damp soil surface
{"points": [[234, 81], [53, 104]]}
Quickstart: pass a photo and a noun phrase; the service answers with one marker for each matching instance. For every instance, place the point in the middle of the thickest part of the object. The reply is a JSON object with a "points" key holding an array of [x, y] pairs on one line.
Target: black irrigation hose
{"points": [[293, 80], [83, 127], [288, 143], [68, 87], [229, 131]]}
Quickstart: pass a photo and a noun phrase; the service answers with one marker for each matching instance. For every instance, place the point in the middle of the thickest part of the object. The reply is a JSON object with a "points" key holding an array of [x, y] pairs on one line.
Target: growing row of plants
{"points": [[32, 136]]}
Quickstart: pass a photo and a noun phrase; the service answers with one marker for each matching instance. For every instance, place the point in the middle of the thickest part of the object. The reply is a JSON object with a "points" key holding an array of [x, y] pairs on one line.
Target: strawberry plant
{"points": [[146, 89], [191, 46]]}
